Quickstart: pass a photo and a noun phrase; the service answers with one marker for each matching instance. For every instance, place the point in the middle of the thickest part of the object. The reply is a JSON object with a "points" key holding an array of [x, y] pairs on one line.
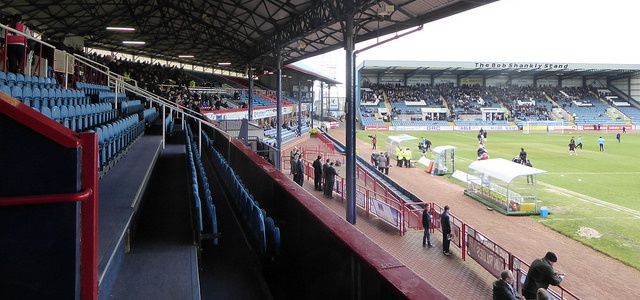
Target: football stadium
{"points": [[165, 150]]}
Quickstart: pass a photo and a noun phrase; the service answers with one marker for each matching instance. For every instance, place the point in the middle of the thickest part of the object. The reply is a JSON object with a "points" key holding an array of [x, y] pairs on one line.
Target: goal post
{"points": [[544, 126]]}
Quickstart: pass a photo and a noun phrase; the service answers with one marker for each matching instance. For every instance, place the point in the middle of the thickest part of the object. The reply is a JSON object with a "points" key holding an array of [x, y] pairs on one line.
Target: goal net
{"points": [[545, 126]]}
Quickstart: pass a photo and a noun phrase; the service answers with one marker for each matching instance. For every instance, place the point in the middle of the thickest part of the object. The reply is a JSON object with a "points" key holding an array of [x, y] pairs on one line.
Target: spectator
{"points": [[381, 161], [292, 158], [17, 45], [426, 224], [446, 231], [317, 173], [329, 180], [542, 294], [299, 173], [503, 287], [541, 275], [388, 164]]}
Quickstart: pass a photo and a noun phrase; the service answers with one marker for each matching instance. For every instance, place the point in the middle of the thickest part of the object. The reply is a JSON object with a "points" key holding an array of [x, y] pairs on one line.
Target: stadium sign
{"points": [[516, 66]]}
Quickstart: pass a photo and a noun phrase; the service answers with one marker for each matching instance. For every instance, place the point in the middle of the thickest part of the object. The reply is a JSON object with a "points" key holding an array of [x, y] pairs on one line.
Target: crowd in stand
{"points": [[397, 93], [524, 103]]}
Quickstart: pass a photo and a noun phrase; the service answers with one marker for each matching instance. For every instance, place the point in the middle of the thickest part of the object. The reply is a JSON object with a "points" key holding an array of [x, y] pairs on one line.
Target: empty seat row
{"points": [[131, 107], [109, 96], [263, 229], [150, 115], [91, 88], [80, 117], [36, 97], [115, 137], [206, 220], [19, 79]]}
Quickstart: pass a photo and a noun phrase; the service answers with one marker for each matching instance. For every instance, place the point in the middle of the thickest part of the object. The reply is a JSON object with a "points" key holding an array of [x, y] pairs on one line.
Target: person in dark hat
{"points": [[541, 275]]}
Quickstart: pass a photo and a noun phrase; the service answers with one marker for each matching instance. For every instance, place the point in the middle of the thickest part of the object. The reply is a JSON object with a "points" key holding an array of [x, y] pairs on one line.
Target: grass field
{"points": [[593, 197]]}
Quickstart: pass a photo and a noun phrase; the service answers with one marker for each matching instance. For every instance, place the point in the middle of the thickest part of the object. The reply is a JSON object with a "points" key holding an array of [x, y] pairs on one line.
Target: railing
{"points": [[371, 192]]}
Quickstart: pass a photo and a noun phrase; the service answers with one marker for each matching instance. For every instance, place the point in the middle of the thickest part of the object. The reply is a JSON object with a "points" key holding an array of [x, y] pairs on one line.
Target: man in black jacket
{"points": [[541, 275], [446, 230], [426, 223], [503, 287], [317, 173]]}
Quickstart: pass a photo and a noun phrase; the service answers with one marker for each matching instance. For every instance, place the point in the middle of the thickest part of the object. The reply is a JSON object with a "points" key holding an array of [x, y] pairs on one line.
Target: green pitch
{"points": [[593, 197]]}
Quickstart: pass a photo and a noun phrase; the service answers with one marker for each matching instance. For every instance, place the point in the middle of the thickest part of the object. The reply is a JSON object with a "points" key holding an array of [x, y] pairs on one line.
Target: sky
{"points": [[548, 31]]}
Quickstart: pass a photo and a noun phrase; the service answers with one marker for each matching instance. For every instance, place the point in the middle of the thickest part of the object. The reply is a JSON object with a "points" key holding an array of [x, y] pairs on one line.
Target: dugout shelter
{"points": [[444, 159], [403, 141], [503, 185]]}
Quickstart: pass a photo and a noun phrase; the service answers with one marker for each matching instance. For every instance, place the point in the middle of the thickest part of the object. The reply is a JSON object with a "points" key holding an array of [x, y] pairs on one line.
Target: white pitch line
{"points": [[593, 173], [595, 201]]}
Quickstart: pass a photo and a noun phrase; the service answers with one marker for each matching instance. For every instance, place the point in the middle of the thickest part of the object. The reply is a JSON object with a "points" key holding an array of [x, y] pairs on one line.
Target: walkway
{"points": [[590, 274]]}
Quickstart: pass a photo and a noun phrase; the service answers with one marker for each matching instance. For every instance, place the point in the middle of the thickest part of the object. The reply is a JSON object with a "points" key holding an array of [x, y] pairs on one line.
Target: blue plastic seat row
{"points": [[266, 234], [80, 117], [206, 215], [12, 79], [131, 107], [36, 97], [109, 96], [116, 136], [91, 88], [150, 115]]}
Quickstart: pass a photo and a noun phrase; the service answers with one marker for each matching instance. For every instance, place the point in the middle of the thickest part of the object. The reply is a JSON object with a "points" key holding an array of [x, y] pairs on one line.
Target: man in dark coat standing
{"points": [[329, 180], [446, 231], [426, 224], [317, 173], [541, 275], [299, 169], [503, 287]]}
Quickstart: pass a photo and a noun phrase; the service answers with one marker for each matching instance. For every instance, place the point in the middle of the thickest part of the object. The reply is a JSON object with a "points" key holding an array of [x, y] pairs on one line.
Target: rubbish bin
{"points": [[544, 212]]}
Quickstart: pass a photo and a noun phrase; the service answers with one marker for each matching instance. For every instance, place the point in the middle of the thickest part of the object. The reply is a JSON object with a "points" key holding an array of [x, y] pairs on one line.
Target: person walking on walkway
{"points": [[503, 287], [541, 275], [317, 173], [446, 231], [426, 224]]}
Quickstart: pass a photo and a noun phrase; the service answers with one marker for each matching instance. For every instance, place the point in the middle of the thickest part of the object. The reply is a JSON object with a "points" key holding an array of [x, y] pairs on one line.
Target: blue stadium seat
{"points": [[16, 92], [5, 89], [11, 78], [19, 79], [45, 110]]}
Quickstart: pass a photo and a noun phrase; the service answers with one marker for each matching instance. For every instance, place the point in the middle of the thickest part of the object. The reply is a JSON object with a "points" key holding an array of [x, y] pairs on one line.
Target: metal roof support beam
{"points": [[321, 102], [322, 13], [312, 110], [299, 106], [250, 96], [350, 188], [279, 109]]}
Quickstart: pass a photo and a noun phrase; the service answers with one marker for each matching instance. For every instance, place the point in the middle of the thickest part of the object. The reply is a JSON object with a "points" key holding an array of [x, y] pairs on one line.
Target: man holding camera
{"points": [[541, 275]]}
